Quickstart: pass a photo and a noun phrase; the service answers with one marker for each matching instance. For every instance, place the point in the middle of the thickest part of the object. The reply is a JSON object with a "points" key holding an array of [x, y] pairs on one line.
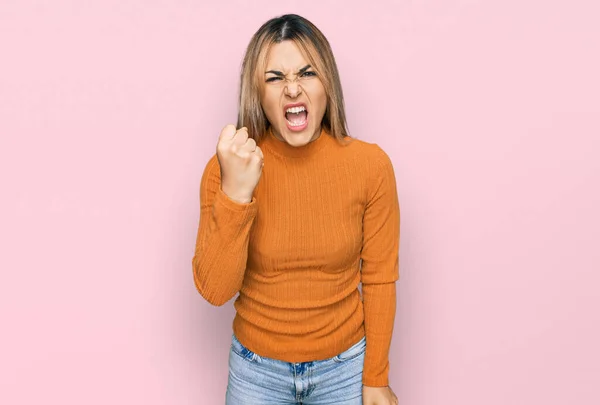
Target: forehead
{"points": [[285, 55]]}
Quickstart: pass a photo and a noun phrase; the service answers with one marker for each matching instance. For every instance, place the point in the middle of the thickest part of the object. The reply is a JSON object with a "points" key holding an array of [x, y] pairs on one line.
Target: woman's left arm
{"points": [[379, 269]]}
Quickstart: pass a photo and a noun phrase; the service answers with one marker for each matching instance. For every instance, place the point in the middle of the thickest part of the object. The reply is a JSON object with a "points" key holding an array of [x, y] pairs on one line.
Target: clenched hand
{"points": [[241, 162]]}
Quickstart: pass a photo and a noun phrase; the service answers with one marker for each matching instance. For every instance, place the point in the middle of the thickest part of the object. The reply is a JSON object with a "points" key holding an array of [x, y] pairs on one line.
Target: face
{"points": [[293, 97]]}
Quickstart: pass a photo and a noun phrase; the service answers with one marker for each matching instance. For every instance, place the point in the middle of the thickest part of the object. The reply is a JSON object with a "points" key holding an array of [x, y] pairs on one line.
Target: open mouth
{"points": [[296, 116]]}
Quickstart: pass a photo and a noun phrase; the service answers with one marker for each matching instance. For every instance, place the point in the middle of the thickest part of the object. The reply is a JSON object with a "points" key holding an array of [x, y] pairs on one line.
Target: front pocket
{"points": [[239, 349], [353, 352]]}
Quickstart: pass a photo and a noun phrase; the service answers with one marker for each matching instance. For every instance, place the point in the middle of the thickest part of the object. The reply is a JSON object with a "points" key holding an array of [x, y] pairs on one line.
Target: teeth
{"points": [[296, 125], [296, 109]]}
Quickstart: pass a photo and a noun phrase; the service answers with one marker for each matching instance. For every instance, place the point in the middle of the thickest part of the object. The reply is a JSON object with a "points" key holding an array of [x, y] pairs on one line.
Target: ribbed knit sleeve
{"points": [[221, 252], [379, 269]]}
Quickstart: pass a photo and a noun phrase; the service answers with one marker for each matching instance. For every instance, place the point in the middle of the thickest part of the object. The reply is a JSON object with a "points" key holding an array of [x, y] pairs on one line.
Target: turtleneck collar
{"points": [[284, 149]]}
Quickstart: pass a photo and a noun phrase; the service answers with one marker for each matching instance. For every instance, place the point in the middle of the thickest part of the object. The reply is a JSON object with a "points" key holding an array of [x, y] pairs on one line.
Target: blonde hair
{"points": [[315, 47]]}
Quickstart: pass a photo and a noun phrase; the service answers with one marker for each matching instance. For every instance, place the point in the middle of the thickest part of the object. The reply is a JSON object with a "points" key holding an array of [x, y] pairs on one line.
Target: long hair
{"points": [[315, 47]]}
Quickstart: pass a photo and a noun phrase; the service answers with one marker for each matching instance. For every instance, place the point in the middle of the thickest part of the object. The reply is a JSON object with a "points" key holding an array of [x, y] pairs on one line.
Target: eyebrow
{"points": [[278, 73]]}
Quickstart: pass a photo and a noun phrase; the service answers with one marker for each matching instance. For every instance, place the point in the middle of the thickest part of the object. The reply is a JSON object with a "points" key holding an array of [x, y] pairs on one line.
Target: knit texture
{"points": [[324, 218]]}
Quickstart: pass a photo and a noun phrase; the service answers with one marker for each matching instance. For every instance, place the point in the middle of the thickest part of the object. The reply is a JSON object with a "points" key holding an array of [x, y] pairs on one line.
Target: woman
{"points": [[294, 215]]}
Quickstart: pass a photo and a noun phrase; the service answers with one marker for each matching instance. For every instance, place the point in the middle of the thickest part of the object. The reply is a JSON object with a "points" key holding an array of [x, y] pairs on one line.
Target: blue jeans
{"points": [[259, 380]]}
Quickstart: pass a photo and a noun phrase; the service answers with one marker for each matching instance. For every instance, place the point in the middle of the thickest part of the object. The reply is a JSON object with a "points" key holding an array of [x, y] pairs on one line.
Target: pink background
{"points": [[489, 110]]}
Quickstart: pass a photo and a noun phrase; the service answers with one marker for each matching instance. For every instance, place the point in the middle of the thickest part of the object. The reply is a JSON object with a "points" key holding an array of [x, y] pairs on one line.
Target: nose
{"points": [[293, 89]]}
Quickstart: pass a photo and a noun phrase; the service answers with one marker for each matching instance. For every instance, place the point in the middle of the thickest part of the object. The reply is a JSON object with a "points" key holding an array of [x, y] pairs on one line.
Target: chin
{"points": [[298, 138]]}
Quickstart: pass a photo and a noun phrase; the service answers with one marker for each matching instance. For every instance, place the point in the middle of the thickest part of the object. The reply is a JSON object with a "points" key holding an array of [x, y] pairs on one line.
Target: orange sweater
{"points": [[323, 218]]}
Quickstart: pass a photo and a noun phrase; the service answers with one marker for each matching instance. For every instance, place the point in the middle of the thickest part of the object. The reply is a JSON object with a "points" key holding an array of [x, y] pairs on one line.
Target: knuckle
{"points": [[227, 129]]}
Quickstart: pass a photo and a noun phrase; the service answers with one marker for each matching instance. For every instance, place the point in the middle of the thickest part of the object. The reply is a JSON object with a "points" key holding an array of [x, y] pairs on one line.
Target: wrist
{"points": [[237, 197]]}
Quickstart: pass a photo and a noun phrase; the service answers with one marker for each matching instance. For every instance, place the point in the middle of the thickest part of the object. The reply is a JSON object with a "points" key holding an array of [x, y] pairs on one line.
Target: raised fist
{"points": [[241, 162]]}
